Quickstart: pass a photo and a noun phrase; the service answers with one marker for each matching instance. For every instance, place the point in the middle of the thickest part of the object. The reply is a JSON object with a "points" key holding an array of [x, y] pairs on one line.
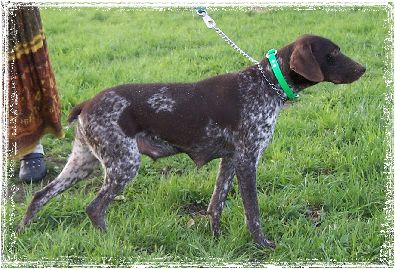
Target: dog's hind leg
{"points": [[224, 182], [79, 165], [121, 160]]}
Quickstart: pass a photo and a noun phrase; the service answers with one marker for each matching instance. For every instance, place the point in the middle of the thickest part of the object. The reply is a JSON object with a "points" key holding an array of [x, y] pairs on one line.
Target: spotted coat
{"points": [[230, 116]]}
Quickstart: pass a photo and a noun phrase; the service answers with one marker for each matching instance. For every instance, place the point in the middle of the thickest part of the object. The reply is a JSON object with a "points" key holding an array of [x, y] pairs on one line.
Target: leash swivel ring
{"points": [[210, 23]]}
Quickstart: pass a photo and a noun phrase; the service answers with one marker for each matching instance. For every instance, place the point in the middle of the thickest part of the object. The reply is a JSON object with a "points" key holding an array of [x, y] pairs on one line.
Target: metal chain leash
{"points": [[210, 23], [278, 91], [233, 45]]}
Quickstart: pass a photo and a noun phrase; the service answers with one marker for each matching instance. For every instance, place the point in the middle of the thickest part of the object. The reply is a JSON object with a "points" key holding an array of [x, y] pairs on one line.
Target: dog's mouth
{"points": [[336, 82], [349, 80], [350, 77]]}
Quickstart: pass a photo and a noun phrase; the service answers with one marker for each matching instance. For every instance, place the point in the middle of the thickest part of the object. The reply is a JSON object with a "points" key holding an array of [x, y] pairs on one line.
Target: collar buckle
{"points": [[271, 52]]}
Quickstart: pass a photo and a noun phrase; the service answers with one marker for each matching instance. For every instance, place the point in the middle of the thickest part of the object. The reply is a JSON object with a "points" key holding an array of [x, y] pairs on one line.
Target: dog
{"points": [[230, 116]]}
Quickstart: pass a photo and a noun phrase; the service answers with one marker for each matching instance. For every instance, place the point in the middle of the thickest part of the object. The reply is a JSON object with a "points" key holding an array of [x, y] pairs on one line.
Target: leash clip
{"points": [[210, 23]]}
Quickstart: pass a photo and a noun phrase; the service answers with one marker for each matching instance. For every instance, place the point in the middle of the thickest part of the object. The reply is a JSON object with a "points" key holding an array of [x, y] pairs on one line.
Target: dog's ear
{"points": [[304, 63]]}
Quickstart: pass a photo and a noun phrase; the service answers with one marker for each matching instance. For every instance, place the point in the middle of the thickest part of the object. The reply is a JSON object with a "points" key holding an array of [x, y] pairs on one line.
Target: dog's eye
{"points": [[335, 53]]}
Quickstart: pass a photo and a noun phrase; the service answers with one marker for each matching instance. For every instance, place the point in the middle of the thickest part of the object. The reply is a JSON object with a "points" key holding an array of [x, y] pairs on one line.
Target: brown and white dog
{"points": [[230, 116]]}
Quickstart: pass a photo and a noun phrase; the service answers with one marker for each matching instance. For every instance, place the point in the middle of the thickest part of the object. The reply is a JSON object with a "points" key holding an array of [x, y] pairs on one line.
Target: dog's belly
{"points": [[201, 153]]}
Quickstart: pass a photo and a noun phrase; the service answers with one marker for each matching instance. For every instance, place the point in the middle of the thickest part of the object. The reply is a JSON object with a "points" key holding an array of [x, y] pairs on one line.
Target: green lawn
{"points": [[322, 181]]}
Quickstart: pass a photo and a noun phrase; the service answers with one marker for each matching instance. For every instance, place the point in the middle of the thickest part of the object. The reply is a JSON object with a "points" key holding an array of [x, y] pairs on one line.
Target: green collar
{"points": [[271, 55]]}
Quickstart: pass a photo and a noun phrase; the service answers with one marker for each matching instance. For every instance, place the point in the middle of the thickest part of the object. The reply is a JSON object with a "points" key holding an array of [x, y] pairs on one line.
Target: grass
{"points": [[321, 182]]}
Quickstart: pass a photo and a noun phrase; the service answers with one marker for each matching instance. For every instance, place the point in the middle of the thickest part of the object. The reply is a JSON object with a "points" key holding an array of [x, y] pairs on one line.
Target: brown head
{"points": [[318, 59]]}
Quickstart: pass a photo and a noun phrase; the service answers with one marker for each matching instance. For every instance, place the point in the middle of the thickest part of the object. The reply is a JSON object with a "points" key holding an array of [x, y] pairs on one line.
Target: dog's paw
{"points": [[264, 242], [214, 225], [216, 233], [19, 228], [100, 225]]}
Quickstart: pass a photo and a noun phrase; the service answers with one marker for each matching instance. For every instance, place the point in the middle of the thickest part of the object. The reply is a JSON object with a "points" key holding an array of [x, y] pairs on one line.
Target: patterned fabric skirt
{"points": [[34, 108]]}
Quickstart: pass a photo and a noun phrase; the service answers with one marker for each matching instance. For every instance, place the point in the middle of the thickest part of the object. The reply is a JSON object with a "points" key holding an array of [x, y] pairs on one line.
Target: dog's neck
{"points": [[294, 80]]}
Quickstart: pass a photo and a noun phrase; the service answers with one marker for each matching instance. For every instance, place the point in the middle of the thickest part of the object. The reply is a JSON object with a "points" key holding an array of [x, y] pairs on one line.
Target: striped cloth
{"points": [[34, 108]]}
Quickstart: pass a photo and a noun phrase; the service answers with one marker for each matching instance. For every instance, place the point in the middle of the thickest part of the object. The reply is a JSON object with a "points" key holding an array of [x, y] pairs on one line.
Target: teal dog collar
{"points": [[271, 55]]}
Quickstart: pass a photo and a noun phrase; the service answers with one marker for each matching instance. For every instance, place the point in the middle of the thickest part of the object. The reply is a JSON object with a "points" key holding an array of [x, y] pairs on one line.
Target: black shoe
{"points": [[32, 167]]}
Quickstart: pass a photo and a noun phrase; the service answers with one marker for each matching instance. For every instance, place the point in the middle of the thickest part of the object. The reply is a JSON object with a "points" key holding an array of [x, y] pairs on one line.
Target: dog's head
{"points": [[319, 59]]}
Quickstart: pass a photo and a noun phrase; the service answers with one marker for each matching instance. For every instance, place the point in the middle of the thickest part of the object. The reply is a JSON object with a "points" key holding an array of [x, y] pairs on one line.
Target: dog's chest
{"points": [[259, 120], [216, 142]]}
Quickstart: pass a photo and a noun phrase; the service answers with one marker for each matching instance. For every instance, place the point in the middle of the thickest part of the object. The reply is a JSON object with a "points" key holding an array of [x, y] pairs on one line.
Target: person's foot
{"points": [[32, 167]]}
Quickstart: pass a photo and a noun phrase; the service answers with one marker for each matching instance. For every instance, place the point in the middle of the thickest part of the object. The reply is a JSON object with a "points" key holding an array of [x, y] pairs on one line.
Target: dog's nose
{"points": [[359, 70]]}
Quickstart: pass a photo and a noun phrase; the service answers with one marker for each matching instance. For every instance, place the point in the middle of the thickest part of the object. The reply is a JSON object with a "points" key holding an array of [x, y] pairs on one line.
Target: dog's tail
{"points": [[75, 112]]}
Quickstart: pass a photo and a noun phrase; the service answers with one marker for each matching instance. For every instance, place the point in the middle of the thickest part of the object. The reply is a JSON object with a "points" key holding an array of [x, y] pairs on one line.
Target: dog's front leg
{"points": [[222, 187], [246, 177]]}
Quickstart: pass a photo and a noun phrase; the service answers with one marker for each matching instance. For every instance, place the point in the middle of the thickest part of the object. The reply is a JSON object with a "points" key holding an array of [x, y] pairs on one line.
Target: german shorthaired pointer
{"points": [[230, 116]]}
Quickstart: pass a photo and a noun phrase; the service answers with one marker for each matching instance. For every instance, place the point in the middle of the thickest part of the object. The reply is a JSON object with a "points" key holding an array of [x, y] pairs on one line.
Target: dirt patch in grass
{"points": [[315, 214], [195, 208]]}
